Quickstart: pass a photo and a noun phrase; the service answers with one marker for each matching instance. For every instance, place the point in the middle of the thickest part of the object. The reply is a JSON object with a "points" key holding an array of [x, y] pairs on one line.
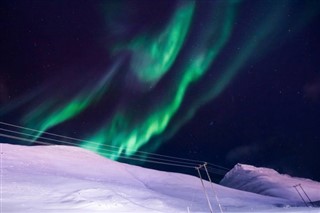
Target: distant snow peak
{"points": [[266, 181]]}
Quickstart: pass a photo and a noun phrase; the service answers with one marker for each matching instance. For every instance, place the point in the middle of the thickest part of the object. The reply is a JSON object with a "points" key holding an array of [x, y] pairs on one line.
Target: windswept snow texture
{"points": [[269, 182], [70, 179]]}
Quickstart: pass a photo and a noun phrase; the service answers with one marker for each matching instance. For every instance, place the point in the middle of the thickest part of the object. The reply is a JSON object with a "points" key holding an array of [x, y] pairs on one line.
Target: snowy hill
{"points": [[70, 179], [269, 182]]}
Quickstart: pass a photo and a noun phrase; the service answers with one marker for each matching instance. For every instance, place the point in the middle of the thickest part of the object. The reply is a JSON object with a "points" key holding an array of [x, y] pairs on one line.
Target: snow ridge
{"points": [[63, 179], [269, 182]]}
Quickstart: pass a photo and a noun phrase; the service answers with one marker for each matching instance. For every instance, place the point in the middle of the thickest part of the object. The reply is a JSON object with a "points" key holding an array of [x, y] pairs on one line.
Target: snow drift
{"points": [[70, 179]]}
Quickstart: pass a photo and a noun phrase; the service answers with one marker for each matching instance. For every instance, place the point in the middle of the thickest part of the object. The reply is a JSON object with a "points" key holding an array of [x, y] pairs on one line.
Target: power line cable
{"points": [[121, 157], [80, 140], [109, 146], [131, 158], [101, 149]]}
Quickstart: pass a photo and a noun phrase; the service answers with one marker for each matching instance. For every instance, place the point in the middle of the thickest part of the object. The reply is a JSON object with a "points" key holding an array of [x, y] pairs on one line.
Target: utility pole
{"points": [[295, 187], [211, 183], [204, 188], [305, 193]]}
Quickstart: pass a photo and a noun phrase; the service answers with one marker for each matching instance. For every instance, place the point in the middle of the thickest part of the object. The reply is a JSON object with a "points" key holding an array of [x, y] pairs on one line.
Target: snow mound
{"points": [[269, 182], [63, 179]]}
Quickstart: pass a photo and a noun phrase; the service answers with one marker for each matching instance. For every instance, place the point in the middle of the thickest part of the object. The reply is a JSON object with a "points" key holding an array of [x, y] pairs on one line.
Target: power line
{"points": [[122, 157], [92, 142], [111, 146], [46, 143], [108, 148], [101, 149]]}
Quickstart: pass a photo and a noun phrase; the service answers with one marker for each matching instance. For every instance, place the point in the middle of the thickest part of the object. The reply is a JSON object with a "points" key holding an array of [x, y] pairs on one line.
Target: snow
{"points": [[70, 179], [269, 182]]}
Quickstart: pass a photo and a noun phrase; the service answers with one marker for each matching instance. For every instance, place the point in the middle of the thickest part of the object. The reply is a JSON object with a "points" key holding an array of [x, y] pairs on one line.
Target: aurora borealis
{"points": [[134, 74]]}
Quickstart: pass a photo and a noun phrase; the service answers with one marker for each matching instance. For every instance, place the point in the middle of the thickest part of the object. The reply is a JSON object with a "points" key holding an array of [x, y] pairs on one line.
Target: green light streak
{"points": [[130, 136], [248, 49], [153, 56], [48, 114]]}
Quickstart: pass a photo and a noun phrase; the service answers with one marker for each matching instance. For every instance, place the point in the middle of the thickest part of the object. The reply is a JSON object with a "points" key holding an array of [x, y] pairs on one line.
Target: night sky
{"points": [[223, 81]]}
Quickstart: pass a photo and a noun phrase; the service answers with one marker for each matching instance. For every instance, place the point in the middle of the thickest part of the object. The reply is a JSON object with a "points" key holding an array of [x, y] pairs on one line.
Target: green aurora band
{"points": [[214, 89], [156, 121], [167, 68], [154, 55], [52, 113]]}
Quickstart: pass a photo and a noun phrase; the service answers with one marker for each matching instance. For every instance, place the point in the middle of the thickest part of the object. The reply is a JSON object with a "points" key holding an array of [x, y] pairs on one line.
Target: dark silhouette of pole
{"points": [[295, 186], [305, 194]]}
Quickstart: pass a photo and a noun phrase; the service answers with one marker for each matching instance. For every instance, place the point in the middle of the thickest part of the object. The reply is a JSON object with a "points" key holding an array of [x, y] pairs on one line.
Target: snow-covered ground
{"points": [[268, 182], [70, 179]]}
